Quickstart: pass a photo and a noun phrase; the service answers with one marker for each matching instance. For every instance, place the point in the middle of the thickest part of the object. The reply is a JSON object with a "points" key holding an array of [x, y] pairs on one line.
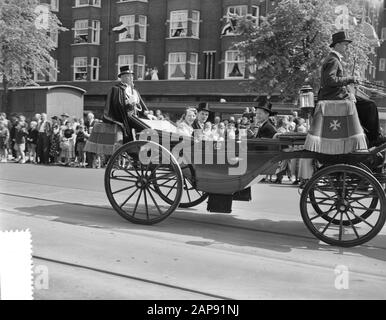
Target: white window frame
{"points": [[383, 34], [382, 64], [257, 16], [239, 60], [141, 67], [181, 63], [81, 29], [142, 25], [193, 62], [229, 14], [40, 76], [53, 74], [125, 60], [54, 5], [196, 24], [80, 62], [94, 66], [173, 25], [95, 31], [129, 21], [87, 3]]}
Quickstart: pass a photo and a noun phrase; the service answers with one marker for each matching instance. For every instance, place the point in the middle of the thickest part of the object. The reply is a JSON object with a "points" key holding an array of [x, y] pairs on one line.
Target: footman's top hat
{"points": [[203, 106], [125, 70], [340, 36], [266, 105]]}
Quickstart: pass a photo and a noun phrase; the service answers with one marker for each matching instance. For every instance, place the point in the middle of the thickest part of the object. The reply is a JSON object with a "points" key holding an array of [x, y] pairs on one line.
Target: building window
{"points": [[142, 28], [383, 34], [193, 65], [53, 74], [81, 31], [96, 31], [39, 77], [55, 5], [234, 65], [209, 64], [80, 68], [178, 23], [382, 64], [177, 65], [140, 67], [94, 69], [126, 60], [232, 14], [129, 22], [256, 14], [196, 24], [84, 3]]}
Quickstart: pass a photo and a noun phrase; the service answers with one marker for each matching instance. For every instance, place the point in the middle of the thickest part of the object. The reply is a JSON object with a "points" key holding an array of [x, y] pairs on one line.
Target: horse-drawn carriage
{"points": [[148, 178]]}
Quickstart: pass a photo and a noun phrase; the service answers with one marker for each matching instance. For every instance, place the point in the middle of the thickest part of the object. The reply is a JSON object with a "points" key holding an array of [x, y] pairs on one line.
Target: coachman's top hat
{"points": [[203, 106], [340, 36], [125, 70]]}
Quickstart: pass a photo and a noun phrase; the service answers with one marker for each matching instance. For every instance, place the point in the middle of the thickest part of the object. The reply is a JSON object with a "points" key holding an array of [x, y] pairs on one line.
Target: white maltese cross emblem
{"points": [[335, 125]]}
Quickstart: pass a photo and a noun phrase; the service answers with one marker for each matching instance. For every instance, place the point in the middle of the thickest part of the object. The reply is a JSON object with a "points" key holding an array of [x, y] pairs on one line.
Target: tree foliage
{"points": [[24, 48], [289, 45]]}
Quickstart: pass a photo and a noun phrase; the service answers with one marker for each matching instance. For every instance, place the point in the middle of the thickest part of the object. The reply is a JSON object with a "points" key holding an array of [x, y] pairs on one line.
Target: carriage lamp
{"points": [[306, 97]]}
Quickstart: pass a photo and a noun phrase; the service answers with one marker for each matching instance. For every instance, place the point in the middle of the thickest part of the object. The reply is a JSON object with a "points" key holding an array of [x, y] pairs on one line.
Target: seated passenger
{"points": [[261, 126], [185, 127]]}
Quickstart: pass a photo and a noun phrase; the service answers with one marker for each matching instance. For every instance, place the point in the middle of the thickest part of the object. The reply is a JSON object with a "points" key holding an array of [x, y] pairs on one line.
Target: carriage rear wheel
{"points": [[132, 175], [343, 205], [190, 196]]}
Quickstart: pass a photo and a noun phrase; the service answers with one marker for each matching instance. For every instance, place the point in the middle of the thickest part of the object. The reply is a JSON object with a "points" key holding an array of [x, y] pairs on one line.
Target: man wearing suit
{"points": [[202, 116], [334, 86], [262, 127]]}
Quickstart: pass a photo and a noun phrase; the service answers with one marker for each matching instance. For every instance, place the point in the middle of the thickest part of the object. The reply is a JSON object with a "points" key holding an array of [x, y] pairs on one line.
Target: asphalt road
{"points": [[262, 250]]}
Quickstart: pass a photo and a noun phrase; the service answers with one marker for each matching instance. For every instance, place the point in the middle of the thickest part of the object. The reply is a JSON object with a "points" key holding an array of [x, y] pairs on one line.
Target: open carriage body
{"points": [[148, 178]]}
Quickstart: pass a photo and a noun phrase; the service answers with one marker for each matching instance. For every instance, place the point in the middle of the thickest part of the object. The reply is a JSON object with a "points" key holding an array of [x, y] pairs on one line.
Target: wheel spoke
{"points": [[152, 198], [136, 204], [121, 179], [341, 226], [121, 206], [147, 210], [328, 196], [162, 177], [360, 217], [123, 189], [171, 189], [352, 225], [187, 191], [323, 214], [329, 223]]}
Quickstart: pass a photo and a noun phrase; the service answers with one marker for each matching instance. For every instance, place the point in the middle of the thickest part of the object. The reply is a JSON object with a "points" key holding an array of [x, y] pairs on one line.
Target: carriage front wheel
{"points": [[132, 175], [343, 195]]}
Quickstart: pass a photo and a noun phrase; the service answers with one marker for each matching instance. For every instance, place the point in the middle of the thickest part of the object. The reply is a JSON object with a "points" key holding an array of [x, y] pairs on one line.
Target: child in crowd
{"points": [[67, 144], [32, 140], [21, 133], [4, 139], [81, 139]]}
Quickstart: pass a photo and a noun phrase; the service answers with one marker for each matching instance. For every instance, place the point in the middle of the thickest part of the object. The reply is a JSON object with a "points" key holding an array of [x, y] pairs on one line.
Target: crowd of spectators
{"points": [[61, 139]]}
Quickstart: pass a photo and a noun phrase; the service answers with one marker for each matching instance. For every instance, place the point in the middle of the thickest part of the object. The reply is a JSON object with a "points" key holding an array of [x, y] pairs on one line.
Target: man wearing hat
{"points": [[262, 127], [202, 116], [334, 86], [123, 100]]}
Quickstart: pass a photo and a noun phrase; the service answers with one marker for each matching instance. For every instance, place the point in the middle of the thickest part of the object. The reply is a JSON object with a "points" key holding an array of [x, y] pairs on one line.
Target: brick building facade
{"points": [[187, 42]]}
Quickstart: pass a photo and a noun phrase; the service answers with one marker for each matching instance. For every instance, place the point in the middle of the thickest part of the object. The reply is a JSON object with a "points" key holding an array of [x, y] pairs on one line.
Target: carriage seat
{"points": [[293, 138], [335, 128]]}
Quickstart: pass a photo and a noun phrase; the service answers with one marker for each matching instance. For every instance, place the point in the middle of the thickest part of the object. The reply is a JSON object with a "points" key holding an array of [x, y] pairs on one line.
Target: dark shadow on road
{"points": [[280, 236]]}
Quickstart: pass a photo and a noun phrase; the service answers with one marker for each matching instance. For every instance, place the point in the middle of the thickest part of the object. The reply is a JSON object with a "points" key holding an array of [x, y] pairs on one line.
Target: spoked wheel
{"points": [[343, 205], [190, 195], [132, 175]]}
